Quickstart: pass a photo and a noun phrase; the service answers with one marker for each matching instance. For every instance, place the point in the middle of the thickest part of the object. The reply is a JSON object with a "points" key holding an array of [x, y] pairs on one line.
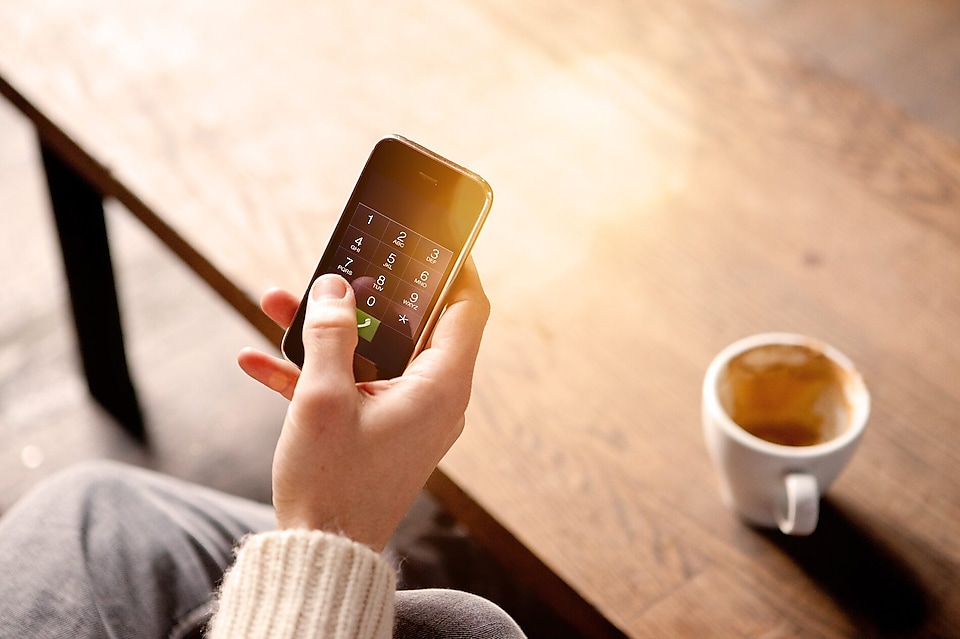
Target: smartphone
{"points": [[403, 236]]}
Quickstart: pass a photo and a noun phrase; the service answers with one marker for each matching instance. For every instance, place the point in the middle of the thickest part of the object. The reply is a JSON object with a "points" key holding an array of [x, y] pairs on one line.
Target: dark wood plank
{"points": [[82, 230]]}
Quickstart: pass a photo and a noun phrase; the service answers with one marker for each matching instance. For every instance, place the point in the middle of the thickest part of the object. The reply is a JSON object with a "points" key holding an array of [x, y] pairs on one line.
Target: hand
{"points": [[352, 457]]}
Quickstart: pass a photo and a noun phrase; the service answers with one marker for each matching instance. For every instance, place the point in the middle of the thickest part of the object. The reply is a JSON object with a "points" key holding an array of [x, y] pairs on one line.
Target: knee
{"points": [[68, 497], [91, 474], [53, 524], [88, 482], [444, 613]]}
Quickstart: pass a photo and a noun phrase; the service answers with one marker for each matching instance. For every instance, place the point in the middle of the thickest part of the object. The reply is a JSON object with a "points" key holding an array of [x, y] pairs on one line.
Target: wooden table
{"points": [[667, 180]]}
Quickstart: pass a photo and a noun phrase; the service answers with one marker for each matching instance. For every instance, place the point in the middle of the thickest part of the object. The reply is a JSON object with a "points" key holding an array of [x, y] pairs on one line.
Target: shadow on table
{"points": [[863, 574]]}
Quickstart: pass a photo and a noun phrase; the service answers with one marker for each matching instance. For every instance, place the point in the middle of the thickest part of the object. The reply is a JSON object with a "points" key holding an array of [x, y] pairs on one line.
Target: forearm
{"points": [[305, 584]]}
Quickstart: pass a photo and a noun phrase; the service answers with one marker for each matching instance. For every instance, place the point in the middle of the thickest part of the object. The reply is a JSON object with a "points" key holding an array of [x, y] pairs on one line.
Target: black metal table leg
{"points": [[78, 210]]}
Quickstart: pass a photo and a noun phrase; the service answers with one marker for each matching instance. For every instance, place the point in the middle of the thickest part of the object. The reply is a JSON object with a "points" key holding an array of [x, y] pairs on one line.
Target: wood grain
{"points": [[904, 52], [667, 180]]}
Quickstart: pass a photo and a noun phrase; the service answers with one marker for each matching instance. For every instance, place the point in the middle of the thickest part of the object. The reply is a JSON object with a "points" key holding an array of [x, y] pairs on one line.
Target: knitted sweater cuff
{"points": [[305, 584]]}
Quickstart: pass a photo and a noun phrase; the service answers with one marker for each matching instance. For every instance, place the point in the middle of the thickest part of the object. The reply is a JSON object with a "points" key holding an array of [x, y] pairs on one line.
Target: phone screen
{"points": [[403, 235]]}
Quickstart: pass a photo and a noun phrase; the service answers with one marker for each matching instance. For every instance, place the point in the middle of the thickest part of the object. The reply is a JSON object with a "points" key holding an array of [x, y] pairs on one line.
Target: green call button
{"points": [[367, 325]]}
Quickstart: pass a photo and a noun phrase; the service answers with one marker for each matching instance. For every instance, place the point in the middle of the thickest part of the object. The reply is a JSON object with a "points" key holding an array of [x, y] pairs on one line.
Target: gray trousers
{"points": [[110, 551]]}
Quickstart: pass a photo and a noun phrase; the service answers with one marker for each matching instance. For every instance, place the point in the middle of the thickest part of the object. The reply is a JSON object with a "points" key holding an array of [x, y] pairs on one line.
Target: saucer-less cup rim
{"points": [[858, 396]]}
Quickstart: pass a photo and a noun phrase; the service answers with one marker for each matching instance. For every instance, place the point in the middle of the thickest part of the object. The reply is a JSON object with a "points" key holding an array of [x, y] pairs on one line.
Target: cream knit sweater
{"points": [[305, 584]]}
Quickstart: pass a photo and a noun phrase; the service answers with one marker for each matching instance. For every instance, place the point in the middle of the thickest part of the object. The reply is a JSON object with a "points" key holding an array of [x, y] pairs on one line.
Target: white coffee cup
{"points": [[782, 414]]}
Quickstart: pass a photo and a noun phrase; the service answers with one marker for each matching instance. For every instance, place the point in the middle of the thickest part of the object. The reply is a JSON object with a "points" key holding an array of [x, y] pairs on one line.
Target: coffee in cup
{"points": [[787, 394]]}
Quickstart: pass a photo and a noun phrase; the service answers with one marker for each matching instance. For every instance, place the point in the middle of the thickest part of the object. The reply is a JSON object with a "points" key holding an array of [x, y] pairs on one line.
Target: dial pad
{"points": [[394, 271]]}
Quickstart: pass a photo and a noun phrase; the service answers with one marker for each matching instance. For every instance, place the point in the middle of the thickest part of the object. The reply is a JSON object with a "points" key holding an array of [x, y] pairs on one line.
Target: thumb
{"points": [[329, 331]]}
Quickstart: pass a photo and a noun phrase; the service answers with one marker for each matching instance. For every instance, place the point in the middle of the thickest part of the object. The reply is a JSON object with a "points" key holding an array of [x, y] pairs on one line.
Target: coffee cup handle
{"points": [[799, 514]]}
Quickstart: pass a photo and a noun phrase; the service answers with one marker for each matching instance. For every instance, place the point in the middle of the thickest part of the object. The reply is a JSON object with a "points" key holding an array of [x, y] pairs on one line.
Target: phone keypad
{"points": [[394, 271]]}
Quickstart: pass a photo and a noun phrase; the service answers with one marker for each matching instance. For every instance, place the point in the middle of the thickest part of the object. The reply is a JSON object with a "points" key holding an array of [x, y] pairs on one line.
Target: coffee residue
{"points": [[787, 394]]}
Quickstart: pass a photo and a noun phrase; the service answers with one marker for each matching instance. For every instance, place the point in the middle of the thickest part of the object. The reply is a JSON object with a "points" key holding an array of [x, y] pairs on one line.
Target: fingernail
{"points": [[328, 287]]}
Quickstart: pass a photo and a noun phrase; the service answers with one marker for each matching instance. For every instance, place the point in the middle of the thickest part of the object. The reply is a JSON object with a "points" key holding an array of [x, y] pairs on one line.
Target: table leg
{"points": [[78, 210]]}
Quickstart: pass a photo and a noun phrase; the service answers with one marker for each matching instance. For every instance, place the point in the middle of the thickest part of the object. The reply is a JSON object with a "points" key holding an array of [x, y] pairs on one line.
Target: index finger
{"points": [[280, 306]]}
